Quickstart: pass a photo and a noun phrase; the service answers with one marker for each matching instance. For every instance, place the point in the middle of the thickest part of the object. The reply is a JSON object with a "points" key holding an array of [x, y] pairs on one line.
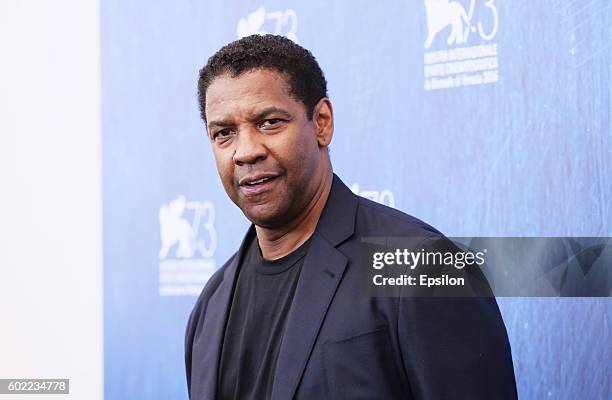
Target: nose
{"points": [[249, 148]]}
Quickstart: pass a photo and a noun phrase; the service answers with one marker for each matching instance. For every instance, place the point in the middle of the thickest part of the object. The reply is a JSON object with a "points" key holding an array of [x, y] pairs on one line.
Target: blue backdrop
{"points": [[481, 117]]}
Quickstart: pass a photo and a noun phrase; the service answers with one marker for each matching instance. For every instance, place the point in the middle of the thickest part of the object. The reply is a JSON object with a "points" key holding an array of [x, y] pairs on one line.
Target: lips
{"points": [[256, 179], [256, 184]]}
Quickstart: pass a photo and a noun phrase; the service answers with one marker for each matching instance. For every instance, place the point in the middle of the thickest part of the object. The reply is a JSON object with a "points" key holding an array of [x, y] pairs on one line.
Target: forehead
{"points": [[248, 92]]}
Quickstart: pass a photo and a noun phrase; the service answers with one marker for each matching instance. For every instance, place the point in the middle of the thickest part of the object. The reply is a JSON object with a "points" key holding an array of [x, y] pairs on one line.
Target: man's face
{"points": [[266, 149]]}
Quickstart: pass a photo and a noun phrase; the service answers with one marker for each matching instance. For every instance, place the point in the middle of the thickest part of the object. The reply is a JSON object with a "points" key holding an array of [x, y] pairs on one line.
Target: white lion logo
{"points": [[191, 224], [442, 13], [286, 23], [252, 24], [175, 229]]}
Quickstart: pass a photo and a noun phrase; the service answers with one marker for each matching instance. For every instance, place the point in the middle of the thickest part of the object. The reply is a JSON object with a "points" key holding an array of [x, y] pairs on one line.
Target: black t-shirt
{"points": [[254, 329]]}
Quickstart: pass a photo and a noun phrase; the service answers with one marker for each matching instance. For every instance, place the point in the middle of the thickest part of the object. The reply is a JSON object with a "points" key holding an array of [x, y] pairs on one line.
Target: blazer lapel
{"points": [[207, 348], [322, 271]]}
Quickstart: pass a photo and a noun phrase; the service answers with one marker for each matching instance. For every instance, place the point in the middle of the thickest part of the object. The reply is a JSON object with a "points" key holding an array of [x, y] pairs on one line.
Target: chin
{"points": [[266, 217], [264, 221], [260, 216]]}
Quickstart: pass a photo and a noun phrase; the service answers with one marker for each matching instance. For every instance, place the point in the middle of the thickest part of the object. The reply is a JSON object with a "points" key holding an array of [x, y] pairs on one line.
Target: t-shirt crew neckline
{"points": [[280, 265]]}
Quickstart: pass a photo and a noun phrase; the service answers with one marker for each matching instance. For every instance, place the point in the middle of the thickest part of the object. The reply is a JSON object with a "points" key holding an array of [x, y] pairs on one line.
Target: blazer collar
{"points": [[337, 221]]}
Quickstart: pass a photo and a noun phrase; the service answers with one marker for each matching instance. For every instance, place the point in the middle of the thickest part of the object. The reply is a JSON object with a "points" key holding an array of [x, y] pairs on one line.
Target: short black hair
{"points": [[306, 80]]}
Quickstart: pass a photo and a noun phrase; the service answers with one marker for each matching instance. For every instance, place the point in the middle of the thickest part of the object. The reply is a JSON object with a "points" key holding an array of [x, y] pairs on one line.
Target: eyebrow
{"points": [[256, 117], [270, 110]]}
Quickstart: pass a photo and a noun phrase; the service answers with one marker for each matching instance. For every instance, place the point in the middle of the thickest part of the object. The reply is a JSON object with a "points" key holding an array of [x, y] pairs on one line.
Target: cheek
{"points": [[298, 149], [224, 168], [307, 154]]}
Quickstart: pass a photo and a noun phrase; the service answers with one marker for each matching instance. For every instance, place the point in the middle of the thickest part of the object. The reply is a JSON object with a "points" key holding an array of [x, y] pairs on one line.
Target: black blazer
{"points": [[340, 344]]}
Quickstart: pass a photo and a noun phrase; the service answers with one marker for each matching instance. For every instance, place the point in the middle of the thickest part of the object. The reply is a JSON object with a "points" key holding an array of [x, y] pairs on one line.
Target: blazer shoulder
{"points": [[377, 219]]}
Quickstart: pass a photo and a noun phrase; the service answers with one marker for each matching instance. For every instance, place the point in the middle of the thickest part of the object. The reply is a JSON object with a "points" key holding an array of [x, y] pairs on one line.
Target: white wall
{"points": [[51, 323]]}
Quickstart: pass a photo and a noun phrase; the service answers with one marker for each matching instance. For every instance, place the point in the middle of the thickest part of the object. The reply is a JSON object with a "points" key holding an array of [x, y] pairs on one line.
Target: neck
{"points": [[278, 242]]}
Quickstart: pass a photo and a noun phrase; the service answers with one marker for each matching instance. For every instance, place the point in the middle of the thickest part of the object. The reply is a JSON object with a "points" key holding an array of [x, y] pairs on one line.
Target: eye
{"points": [[270, 123], [222, 135]]}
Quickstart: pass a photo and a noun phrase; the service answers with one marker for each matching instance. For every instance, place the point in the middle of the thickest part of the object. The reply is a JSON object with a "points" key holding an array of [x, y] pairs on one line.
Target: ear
{"points": [[323, 118]]}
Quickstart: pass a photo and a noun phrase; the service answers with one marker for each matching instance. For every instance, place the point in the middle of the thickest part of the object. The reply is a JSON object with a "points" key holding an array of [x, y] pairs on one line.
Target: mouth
{"points": [[257, 184], [257, 181]]}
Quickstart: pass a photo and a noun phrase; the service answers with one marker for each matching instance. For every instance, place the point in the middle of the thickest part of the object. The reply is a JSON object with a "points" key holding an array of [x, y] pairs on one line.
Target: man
{"points": [[285, 316]]}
